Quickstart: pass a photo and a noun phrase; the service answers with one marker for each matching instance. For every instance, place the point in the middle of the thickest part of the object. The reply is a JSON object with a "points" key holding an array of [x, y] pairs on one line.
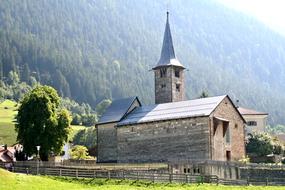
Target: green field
{"points": [[8, 135], [11, 181], [8, 111]]}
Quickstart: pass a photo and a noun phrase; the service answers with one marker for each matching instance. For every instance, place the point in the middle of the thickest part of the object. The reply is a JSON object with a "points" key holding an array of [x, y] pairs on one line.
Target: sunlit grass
{"points": [[8, 111], [11, 181]]}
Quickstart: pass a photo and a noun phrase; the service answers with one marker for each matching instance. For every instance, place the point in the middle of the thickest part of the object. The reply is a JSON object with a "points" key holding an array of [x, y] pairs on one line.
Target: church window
{"points": [[162, 72], [226, 132], [177, 73], [228, 139], [177, 87], [163, 86], [251, 123]]}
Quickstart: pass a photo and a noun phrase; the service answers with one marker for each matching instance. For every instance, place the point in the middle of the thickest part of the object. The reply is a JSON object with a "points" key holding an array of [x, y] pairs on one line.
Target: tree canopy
{"points": [[41, 123], [262, 144], [102, 106], [99, 48], [79, 152]]}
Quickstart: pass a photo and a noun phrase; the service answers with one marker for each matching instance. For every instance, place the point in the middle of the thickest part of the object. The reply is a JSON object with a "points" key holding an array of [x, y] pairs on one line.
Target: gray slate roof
{"points": [[117, 110], [173, 110], [167, 57]]}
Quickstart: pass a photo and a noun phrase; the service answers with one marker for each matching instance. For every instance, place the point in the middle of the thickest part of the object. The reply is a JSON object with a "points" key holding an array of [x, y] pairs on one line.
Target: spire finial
{"points": [[167, 56], [167, 14]]}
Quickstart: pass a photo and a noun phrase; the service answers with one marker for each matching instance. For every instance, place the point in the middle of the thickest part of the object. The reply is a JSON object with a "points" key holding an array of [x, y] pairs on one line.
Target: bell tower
{"points": [[169, 72]]}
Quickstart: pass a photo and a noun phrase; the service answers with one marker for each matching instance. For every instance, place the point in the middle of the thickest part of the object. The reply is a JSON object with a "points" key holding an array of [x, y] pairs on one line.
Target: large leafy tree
{"points": [[262, 144], [40, 122]]}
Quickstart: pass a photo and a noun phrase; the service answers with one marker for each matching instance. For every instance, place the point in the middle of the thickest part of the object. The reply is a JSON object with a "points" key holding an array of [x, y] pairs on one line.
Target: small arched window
{"points": [[162, 72], [177, 73]]}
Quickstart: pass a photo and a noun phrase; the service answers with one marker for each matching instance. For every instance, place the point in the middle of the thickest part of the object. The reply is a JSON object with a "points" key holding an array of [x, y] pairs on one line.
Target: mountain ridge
{"points": [[92, 50]]}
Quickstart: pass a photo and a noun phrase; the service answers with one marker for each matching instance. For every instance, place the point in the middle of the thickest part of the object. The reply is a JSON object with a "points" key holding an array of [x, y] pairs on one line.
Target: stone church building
{"points": [[173, 128]]}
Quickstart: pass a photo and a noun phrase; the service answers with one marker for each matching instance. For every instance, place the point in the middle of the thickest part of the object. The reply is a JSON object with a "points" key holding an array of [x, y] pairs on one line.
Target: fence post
{"points": [[137, 175], [76, 173], [27, 170], [247, 180], [94, 174], [170, 178], [153, 177], [13, 169], [60, 172], [266, 181], [109, 175], [186, 178]]}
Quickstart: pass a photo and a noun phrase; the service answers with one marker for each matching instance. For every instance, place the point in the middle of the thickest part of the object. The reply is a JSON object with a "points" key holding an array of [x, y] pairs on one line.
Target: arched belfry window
{"points": [[162, 72], [177, 73]]}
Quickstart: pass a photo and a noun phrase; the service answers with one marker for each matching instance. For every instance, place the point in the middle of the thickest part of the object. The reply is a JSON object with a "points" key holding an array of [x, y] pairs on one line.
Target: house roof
{"points": [[167, 57], [245, 111], [117, 110], [7, 155], [173, 110]]}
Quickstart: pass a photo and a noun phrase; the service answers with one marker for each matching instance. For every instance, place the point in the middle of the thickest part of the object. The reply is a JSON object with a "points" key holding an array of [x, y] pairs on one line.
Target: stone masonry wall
{"points": [[107, 143], [178, 95], [165, 87], [226, 110], [161, 141]]}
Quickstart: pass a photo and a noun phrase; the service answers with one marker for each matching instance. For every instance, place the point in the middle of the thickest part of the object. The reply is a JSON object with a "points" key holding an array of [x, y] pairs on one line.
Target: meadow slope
{"points": [[11, 181], [8, 111]]}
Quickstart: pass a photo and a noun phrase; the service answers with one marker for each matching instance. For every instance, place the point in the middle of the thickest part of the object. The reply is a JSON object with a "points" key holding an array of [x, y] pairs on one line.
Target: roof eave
{"points": [[169, 65], [161, 120]]}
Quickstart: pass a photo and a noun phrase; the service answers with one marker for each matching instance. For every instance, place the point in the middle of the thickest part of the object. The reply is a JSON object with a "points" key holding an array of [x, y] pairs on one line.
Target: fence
{"points": [[156, 172], [100, 166], [143, 175], [117, 174]]}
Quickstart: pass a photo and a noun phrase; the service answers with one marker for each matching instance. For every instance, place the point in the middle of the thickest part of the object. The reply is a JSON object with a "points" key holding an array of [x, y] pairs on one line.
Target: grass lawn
{"points": [[8, 111], [11, 181]]}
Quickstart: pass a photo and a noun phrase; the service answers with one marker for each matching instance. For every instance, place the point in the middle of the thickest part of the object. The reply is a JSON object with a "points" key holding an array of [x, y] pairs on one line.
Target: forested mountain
{"points": [[90, 50]]}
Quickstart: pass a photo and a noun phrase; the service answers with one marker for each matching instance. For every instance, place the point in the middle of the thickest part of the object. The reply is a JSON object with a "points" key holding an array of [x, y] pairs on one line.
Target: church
{"points": [[173, 128]]}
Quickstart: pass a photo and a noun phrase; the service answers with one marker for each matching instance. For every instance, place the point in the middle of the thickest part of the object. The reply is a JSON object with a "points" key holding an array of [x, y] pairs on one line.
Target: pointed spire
{"points": [[167, 56]]}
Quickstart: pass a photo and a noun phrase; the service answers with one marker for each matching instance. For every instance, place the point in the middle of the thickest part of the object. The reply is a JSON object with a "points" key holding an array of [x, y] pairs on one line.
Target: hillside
{"points": [[7, 130], [92, 50]]}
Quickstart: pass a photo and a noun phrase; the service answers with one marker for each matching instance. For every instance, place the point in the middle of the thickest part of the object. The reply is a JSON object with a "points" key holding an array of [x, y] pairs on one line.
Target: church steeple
{"points": [[169, 74], [167, 56]]}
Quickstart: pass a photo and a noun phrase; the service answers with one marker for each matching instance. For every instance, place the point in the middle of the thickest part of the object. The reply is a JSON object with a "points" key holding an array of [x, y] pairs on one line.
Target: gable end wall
{"points": [[226, 110], [107, 142]]}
